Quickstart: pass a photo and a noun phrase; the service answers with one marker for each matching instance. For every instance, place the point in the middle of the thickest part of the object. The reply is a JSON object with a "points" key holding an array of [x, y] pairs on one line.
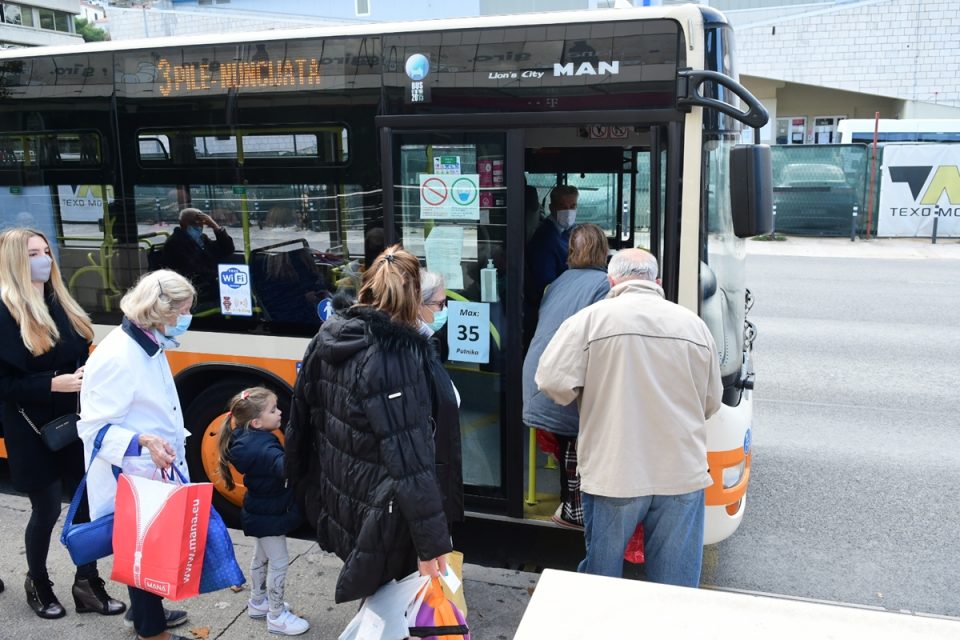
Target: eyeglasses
{"points": [[437, 305]]}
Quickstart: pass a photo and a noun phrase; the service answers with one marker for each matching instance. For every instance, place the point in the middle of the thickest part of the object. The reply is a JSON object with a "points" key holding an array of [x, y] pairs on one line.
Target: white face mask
{"points": [[566, 218], [40, 267]]}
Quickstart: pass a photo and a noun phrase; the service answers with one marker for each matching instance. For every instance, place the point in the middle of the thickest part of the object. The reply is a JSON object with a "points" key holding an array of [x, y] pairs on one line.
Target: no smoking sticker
{"points": [[433, 192]]}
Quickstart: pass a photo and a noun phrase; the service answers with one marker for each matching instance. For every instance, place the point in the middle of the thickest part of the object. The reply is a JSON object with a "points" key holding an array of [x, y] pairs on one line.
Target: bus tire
{"points": [[202, 418]]}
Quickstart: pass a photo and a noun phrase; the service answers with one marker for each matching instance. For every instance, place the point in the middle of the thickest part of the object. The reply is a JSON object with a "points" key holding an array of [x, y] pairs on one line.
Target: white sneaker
{"points": [[287, 624], [259, 611]]}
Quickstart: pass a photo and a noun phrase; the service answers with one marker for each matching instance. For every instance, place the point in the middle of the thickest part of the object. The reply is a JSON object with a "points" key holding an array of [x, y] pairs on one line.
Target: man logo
{"points": [[946, 179], [417, 67], [587, 69]]}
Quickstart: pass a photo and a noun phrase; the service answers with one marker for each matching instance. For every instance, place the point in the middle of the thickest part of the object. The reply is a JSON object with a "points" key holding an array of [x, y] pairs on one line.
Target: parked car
{"points": [[813, 199]]}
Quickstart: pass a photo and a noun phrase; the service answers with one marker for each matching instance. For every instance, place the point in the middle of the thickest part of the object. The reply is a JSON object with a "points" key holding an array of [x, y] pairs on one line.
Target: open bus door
{"points": [[454, 199]]}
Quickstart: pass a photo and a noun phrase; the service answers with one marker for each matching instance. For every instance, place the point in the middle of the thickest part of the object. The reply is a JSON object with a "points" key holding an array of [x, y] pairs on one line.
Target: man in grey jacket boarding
{"points": [[646, 375]]}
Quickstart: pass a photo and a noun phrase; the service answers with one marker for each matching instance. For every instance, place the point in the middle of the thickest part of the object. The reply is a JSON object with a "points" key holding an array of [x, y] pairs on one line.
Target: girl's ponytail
{"points": [[223, 445]]}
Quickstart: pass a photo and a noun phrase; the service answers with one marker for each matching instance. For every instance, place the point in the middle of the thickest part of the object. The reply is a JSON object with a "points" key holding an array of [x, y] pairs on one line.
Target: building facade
{"points": [[38, 22], [814, 65]]}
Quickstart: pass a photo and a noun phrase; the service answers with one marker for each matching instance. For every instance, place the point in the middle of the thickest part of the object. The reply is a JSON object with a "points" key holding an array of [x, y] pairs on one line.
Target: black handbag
{"points": [[59, 432]]}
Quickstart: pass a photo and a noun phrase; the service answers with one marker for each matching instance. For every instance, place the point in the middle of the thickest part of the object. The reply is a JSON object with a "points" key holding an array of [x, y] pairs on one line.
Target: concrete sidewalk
{"points": [[496, 598], [882, 248]]}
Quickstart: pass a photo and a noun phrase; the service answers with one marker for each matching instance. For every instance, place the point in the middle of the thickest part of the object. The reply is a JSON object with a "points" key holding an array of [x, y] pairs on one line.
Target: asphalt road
{"points": [[856, 462]]}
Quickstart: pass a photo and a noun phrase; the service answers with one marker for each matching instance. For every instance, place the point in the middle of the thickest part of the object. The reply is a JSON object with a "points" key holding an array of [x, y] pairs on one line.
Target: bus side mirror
{"points": [[751, 190]]}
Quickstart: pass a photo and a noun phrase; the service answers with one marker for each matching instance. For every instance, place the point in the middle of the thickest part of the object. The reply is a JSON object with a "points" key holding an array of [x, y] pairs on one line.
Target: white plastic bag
{"points": [[383, 615]]}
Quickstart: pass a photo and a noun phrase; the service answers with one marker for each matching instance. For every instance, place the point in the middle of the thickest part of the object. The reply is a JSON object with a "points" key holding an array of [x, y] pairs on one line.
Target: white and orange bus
{"points": [[314, 148]]}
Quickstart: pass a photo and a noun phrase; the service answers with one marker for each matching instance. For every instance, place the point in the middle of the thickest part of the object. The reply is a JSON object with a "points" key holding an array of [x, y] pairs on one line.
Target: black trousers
{"points": [[147, 609], [45, 506]]}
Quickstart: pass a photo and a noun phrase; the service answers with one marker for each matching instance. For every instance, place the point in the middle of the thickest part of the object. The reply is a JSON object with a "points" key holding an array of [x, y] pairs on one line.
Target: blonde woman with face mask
{"points": [[45, 337]]}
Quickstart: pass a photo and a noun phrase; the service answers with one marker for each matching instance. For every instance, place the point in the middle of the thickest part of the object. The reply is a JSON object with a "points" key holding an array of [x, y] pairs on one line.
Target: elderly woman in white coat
{"points": [[128, 385]]}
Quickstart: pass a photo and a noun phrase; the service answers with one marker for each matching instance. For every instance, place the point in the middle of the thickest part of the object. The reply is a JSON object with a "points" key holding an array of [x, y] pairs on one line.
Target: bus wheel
{"points": [[204, 418]]}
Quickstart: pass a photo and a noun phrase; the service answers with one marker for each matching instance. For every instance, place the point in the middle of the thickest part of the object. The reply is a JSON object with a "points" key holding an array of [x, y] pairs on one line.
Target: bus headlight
{"points": [[733, 475]]}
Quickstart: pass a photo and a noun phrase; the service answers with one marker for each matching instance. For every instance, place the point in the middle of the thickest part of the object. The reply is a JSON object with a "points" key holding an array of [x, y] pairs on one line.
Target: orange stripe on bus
{"points": [[285, 369], [715, 495]]}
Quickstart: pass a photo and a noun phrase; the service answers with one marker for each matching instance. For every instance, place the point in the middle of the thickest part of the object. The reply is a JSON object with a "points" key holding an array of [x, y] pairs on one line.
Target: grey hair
{"points": [[154, 300], [430, 283], [190, 211], [633, 264]]}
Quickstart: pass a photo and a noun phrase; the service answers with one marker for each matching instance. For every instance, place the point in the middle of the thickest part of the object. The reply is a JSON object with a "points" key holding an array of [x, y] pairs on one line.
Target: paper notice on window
{"points": [[444, 250], [468, 332], [413, 240], [446, 165]]}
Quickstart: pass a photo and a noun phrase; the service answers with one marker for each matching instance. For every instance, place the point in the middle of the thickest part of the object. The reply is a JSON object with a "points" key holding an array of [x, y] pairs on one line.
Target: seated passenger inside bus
{"points": [[195, 256], [291, 285]]}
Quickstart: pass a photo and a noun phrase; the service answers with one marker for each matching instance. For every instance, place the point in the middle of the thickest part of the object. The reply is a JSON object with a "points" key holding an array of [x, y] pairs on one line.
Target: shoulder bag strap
{"points": [[27, 418], [30, 422], [78, 494]]}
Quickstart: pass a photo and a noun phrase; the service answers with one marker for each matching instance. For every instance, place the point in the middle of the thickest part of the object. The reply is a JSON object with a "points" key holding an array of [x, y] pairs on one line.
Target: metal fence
{"points": [[820, 190]]}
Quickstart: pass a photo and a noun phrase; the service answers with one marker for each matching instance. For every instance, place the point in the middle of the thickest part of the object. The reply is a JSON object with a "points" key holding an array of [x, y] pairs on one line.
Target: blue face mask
{"points": [[439, 319], [196, 233], [183, 323]]}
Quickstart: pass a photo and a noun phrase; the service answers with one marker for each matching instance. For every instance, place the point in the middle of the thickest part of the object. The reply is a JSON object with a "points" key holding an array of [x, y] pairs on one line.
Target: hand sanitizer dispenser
{"points": [[488, 282]]}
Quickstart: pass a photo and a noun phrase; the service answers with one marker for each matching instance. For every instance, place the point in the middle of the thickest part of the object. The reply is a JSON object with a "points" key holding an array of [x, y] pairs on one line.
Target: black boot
{"points": [[90, 595], [41, 599], [1, 586]]}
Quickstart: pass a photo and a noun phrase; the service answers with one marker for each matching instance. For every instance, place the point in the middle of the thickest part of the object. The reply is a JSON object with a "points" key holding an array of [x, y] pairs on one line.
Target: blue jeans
{"points": [[672, 529]]}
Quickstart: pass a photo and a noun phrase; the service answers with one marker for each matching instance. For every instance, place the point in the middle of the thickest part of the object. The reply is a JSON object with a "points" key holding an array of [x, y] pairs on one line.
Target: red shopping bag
{"points": [[634, 552], [159, 535]]}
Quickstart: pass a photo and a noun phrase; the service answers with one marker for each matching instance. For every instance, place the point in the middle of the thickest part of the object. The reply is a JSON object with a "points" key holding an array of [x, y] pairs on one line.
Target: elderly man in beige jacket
{"points": [[646, 375]]}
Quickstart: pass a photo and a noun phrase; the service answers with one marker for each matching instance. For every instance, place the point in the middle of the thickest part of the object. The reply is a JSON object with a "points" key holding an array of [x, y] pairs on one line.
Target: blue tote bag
{"points": [[220, 569]]}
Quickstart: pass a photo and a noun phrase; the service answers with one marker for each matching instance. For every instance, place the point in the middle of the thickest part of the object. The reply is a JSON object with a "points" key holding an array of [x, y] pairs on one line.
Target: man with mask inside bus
{"points": [[546, 255], [195, 256]]}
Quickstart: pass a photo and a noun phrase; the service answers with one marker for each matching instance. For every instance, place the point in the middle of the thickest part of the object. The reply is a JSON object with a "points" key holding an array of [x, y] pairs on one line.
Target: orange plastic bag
{"points": [[634, 552], [438, 617]]}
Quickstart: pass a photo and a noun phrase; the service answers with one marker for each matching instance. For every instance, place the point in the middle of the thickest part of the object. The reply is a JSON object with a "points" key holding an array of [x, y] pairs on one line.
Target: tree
{"points": [[89, 32]]}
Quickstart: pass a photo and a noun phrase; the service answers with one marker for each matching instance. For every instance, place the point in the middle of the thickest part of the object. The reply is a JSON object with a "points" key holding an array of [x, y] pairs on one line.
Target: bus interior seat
{"points": [[283, 282], [155, 257]]}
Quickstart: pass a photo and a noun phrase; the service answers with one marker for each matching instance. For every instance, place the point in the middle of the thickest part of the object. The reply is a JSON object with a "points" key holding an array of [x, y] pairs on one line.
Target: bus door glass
{"points": [[623, 199], [450, 210]]}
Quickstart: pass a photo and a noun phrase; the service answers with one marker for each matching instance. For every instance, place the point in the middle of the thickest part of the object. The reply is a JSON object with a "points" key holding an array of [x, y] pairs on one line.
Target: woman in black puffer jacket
{"points": [[359, 444]]}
